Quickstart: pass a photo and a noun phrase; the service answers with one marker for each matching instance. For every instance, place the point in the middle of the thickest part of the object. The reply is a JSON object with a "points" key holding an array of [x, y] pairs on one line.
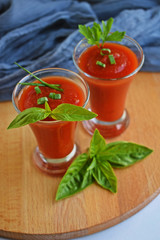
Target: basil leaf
{"points": [[69, 112], [124, 154], [104, 176], [92, 165], [96, 165], [47, 107], [28, 116], [97, 145], [76, 178], [64, 112]]}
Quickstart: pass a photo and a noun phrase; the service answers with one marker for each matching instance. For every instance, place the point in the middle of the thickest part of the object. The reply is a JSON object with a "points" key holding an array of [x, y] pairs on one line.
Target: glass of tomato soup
{"points": [[108, 81], [56, 139]]}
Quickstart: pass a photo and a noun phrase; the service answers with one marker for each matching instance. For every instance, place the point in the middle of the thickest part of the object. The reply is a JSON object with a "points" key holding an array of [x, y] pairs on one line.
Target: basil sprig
{"points": [[30, 115], [96, 165], [123, 154], [76, 178], [64, 112]]}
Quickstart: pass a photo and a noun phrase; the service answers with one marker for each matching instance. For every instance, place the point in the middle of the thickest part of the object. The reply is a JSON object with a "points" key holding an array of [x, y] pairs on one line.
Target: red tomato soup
{"points": [[55, 138], [107, 91]]}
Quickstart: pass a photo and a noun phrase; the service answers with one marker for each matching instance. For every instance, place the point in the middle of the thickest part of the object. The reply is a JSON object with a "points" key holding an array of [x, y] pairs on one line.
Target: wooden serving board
{"points": [[27, 206]]}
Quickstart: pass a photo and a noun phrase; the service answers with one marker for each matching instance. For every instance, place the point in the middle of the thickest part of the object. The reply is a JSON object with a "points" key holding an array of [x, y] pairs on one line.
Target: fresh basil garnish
{"points": [[69, 112], [77, 177], [97, 144], [123, 154], [104, 175], [64, 112], [30, 115], [96, 165]]}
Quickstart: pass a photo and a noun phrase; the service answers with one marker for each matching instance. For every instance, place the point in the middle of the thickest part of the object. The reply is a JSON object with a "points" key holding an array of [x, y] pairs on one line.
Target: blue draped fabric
{"points": [[43, 33]]}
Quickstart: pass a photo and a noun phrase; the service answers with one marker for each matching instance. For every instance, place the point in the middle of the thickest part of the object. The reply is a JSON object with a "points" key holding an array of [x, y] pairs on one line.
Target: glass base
{"points": [[57, 166], [107, 129]]}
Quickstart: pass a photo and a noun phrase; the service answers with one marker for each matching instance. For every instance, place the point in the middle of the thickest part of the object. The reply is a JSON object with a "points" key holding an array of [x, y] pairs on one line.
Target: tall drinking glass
{"points": [[56, 139], [108, 95]]}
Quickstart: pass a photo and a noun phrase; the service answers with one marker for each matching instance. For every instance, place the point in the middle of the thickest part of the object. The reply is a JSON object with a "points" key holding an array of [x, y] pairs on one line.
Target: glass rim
{"points": [[45, 70], [110, 79]]}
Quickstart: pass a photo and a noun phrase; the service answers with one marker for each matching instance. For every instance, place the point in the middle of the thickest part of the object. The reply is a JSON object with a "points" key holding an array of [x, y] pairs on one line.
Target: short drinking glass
{"points": [[108, 95], [56, 139]]}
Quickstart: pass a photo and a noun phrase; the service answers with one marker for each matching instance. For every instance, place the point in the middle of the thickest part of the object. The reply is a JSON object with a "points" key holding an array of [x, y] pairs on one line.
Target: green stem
{"points": [[46, 84]]}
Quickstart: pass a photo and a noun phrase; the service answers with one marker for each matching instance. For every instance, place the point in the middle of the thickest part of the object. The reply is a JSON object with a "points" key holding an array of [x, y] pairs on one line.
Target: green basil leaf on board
{"points": [[97, 145], [76, 178], [124, 154], [104, 176], [69, 112], [30, 115], [92, 165], [96, 165]]}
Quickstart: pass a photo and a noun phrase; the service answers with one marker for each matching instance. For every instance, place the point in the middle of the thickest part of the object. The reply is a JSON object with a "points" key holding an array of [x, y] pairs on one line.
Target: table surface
{"points": [[146, 223]]}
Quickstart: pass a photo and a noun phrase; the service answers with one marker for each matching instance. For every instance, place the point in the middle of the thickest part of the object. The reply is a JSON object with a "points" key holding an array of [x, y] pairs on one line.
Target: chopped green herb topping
{"points": [[53, 86], [107, 50], [37, 89], [55, 95], [111, 59], [101, 64], [42, 100]]}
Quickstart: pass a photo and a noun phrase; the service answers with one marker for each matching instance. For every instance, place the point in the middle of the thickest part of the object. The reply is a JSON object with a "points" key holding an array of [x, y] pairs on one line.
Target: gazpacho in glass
{"points": [[55, 138], [109, 69]]}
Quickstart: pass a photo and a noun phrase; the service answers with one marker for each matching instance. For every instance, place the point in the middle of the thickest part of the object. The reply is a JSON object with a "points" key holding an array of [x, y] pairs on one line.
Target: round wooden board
{"points": [[27, 206]]}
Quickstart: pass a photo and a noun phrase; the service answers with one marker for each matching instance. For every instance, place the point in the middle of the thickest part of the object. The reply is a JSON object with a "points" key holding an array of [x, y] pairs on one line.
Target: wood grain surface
{"points": [[27, 206]]}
